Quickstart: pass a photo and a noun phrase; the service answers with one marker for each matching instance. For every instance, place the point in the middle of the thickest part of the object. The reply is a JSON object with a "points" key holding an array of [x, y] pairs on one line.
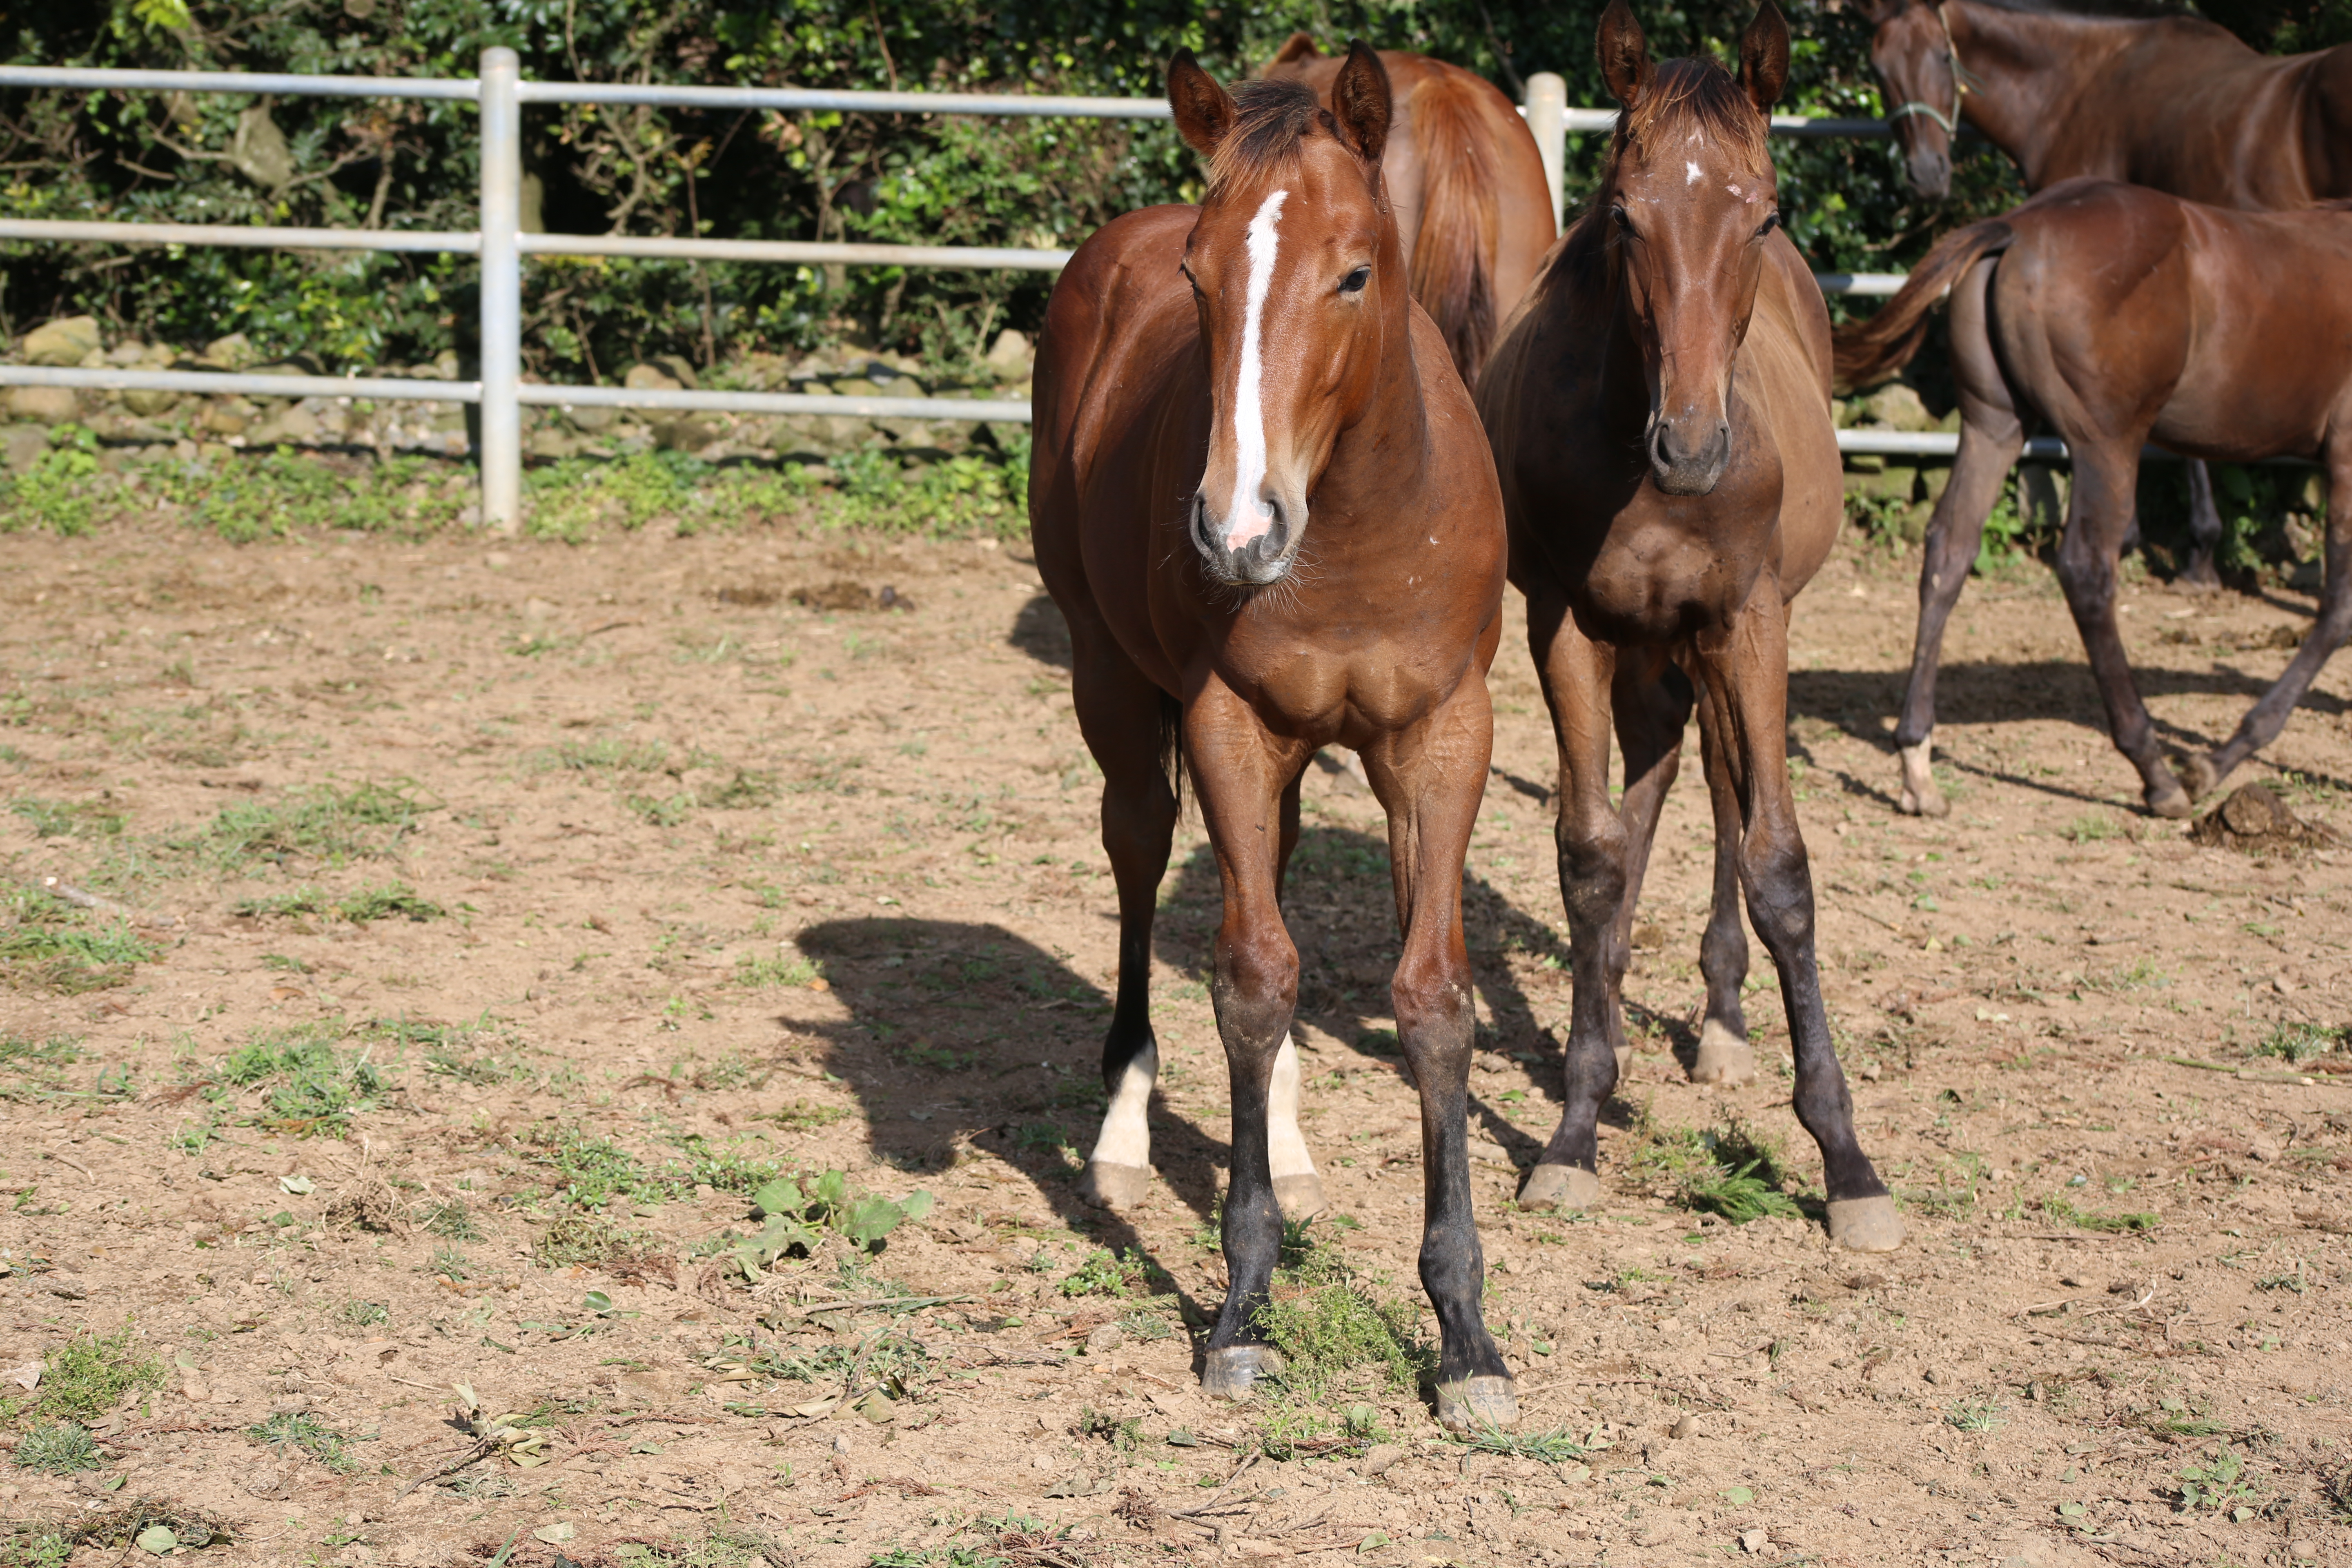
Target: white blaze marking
{"points": [[1247, 517], [1690, 173], [1286, 1146], [1126, 1137]]}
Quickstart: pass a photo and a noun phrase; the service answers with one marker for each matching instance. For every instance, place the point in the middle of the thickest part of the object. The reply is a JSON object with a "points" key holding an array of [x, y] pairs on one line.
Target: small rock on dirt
{"points": [[1753, 1541], [1105, 1339], [2253, 819], [43, 405], [1380, 1457]]}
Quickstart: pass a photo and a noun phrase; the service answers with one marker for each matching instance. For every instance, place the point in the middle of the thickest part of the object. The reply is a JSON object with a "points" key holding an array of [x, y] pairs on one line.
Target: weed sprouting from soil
{"points": [[1976, 1415], [324, 824], [1329, 1325], [1735, 1170], [394, 899], [450, 1219], [59, 1449], [303, 1435], [314, 1089], [592, 1172], [49, 945], [2299, 1043], [2065, 1212], [89, 1375]]}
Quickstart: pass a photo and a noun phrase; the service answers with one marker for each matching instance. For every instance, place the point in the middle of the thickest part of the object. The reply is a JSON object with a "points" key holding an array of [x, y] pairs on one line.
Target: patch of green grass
{"points": [[661, 811], [792, 970], [38, 1065], [607, 754], [315, 1089], [48, 944], [581, 1241], [68, 819], [722, 1546], [592, 1172], [1331, 1326], [2065, 1212], [305, 1435], [322, 823], [58, 1449], [450, 1218], [1107, 1273], [392, 899], [730, 1168], [2221, 1485], [744, 792], [1735, 1170], [803, 1116], [1976, 1415], [365, 1314], [91, 1373], [2091, 827], [1553, 1448], [2298, 1043], [301, 901]]}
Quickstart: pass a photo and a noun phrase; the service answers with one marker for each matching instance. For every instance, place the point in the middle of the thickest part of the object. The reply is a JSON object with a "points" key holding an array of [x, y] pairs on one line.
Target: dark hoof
{"points": [[1232, 1371], [2200, 577], [2198, 774], [1559, 1187], [2173, 803], [1478, 1405], [1300, 1197], [1109, 1187], [1865, 1224]]}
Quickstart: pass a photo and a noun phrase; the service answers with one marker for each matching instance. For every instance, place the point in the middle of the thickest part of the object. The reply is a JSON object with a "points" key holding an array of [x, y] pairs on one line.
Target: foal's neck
{"points": [[1377, 460], [2023, 69]]}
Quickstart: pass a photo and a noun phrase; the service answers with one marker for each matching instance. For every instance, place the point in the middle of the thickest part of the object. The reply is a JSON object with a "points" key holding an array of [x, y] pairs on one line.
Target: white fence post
{"points": [[501, 348], [1548, 119]]}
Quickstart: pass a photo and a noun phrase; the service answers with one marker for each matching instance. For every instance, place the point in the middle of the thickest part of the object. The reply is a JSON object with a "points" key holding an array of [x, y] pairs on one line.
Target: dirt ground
{"points": [[727, 882]]}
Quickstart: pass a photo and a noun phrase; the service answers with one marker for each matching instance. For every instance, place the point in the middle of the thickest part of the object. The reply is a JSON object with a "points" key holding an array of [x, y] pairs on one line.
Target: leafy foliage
{"points": [[798, 1218]]}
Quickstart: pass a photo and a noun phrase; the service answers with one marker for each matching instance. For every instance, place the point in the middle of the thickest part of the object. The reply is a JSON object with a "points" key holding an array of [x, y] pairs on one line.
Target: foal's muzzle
{"points": [[1256, 561], [1930, 169], [1686, 456]]}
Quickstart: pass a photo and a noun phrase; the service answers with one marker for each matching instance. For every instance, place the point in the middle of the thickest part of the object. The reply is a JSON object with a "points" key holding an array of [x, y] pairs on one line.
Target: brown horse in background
{"points": [[1472, 205], [1660, 413], [2117, 89], [1261, 497], [2116, 315]]}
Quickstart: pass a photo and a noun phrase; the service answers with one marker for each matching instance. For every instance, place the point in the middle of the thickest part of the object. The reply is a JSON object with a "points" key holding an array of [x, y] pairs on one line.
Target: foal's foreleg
{"points": [[2204, 533], [1746, 679], [2263, 721], [1991, 436], [1433, 778], [1652, 709], [1121, 714], [1575, 674], [1240, 772], [1724, 1055], [2097, 514]]}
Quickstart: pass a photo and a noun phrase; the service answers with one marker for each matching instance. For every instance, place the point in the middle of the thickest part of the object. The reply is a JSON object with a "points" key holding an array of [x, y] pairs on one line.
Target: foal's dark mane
{"points": [[1270, 120], [1698, 94]]}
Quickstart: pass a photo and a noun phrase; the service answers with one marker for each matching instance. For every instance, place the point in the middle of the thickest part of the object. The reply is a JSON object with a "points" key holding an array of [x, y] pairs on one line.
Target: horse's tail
{"points": [[1171, 745], [1453, 257], [1868, 352]]}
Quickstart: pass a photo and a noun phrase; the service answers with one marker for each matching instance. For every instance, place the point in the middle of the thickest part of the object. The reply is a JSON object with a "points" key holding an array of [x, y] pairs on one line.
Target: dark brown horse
{"points": [[2120, 89], [1659, 411], [2115, 315], [1473, 206], [1261, 497]]}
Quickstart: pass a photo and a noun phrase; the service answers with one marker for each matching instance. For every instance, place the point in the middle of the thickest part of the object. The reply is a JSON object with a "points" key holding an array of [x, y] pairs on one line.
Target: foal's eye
{"points": [[1772, 221], [1353, 283], [1624, 223]]}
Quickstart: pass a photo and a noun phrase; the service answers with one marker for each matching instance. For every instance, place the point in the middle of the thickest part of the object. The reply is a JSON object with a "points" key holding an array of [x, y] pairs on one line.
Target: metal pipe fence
{"points": [[499, 92]]}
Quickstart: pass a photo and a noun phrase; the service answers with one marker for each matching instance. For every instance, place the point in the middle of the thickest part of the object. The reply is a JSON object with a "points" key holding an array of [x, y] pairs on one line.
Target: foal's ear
{"points": [[1360, 104], [1204, 110], [1764, 57], [1297, 47], [1625, 54]]}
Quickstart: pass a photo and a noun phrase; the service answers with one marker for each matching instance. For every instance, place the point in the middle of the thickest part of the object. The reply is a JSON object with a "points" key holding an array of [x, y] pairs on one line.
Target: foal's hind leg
{"points": [[1991, 436], [2204, 533], [1296, 1187], [2268, 717], [1746, 675], [1724, 1055], [1122, 715], [2106, 475]]}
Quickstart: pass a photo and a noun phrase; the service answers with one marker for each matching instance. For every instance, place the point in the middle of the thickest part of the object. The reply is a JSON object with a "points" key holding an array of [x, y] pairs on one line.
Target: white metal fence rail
{"points": [[499, 93]]}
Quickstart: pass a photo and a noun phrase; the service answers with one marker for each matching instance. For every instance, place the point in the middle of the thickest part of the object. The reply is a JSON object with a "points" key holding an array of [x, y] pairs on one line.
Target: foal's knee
{"points": [[2086, 573], [1257, 985], [1779, 886], [1432, 997]]}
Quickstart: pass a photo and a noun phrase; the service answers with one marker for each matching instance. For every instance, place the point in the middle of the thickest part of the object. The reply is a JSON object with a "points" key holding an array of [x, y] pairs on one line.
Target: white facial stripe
{"points": [[1126, 1137], [1246, 517]]}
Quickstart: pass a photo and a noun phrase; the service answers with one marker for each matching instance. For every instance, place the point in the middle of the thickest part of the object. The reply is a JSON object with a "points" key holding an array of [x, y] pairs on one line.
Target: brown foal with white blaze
{"points": [[1261, 497], [1660, 412]]}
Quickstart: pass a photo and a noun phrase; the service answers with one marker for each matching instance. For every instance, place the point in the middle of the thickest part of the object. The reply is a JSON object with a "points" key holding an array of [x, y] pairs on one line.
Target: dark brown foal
{"points": [[1262, 499], [2113, 316], [1660, 412]]}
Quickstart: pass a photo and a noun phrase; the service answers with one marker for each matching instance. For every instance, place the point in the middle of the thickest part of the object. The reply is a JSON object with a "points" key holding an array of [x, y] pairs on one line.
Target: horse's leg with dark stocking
{"points": [[1991, 436], [1575, 674], [1652, 707], [1122, 714], [2106, 475], [1724, 1054], [1746, 671], [1431, 778], [2263, 721], [2204, 533], [1239, 773]]}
